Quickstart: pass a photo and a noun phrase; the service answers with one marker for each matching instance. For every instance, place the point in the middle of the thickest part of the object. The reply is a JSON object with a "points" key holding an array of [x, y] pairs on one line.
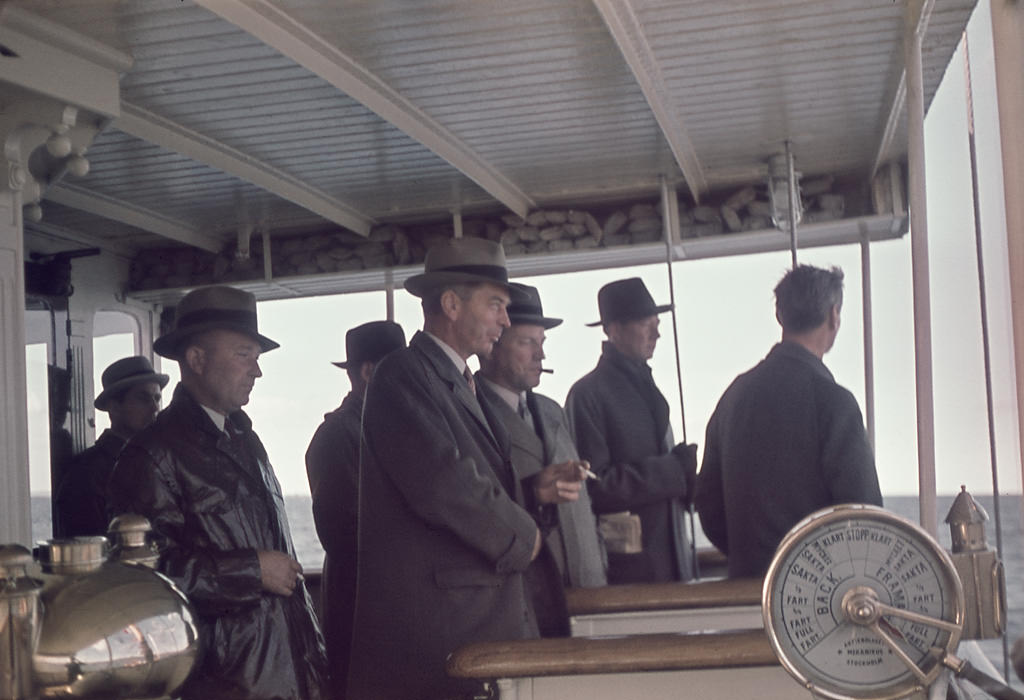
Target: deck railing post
{"points": [[915, 21]]}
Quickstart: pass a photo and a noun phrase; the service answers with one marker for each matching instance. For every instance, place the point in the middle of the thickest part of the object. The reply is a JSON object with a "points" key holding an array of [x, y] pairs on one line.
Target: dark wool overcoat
{"points": [[332, 466], [784, 441], [82, 496], [620, 422], [217, 502], [442, 543]]}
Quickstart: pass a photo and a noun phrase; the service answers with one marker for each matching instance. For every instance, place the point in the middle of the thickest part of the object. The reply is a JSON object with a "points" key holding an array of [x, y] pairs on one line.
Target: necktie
{"points": [[524, 411], [469, 380]]}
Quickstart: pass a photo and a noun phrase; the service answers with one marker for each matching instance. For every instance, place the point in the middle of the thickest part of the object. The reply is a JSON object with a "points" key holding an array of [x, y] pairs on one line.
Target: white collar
{"points": [[460, 364], [507, 395]]}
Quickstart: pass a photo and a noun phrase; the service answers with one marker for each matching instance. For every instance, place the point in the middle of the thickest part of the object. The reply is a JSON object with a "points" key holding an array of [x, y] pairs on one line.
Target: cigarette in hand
{"points": [[586, 471]]}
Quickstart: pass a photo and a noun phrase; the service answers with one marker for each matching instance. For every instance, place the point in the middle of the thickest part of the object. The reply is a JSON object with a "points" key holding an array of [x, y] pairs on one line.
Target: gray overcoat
{"points": [[579, 545], [442, 544]]}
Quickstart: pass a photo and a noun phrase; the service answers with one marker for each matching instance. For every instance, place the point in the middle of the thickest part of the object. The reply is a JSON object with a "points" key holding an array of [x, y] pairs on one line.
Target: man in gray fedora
{"points": [[332, 465], [544, 457], [202, 477], [621, 423], [443, 536], [131, 398]]}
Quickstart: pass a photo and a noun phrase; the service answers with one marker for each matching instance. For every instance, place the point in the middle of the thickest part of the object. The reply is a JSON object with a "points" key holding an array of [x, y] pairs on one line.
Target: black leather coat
{"points": [[217, 502]]}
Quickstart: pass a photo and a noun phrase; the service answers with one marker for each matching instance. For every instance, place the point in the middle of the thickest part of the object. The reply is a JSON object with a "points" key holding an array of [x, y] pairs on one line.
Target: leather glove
{"points": [[686, 455]]}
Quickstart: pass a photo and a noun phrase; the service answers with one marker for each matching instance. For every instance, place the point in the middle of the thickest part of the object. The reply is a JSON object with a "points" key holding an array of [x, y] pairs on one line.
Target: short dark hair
{"points": [[805, 296], [431, 301]]}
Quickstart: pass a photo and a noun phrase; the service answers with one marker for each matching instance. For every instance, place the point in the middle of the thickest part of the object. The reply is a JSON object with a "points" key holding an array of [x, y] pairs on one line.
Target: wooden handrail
{"points": [[636, 597], [629, 654]]}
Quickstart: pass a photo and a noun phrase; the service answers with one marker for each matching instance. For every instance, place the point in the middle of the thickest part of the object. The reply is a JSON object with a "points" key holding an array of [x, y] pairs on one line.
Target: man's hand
{"points": [[537, 542], [279, 573], [559, 483], [687, 456]]}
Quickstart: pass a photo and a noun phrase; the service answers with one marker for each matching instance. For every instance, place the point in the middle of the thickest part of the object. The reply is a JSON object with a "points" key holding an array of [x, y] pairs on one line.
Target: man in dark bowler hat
{"points": [[202, 477], [444, 538], [131, 397], [332, 465], [544, 457], [621, 423], [785, 439]]}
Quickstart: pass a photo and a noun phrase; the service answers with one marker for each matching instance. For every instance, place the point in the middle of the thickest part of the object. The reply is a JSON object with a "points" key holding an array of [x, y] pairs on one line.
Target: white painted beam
{"points": [[156, 129], [55, 61], [627, 32], [133, 215], [291, 38], [62, 234], [899, 92]]}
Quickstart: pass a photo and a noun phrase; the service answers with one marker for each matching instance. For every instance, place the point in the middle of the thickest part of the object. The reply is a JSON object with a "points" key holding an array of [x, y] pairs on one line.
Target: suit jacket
{"points": [[784, 441], [332, 466], [218, 503], [443, 544], [575, 541], [620, 422]]}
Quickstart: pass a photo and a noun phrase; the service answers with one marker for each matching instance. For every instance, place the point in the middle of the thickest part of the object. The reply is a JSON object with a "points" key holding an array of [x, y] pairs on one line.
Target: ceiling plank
{"points": [[628, 34], [125, 212], [156, 129], [282, 32]]}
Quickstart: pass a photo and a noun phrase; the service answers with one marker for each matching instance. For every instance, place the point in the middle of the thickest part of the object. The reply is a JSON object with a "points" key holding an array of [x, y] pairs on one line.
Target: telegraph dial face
{"points": [[861, 603]]}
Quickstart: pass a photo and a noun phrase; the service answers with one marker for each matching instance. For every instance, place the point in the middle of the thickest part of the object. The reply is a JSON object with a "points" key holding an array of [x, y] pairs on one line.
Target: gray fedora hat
{"points": [[626, 300], [460, 261], [124, 374], [529, 310], [370, 342], [208, 308]]}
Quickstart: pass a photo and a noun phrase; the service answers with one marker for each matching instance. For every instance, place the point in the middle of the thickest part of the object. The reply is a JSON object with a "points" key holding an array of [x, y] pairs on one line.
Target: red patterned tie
{"points": [[469, 380]]}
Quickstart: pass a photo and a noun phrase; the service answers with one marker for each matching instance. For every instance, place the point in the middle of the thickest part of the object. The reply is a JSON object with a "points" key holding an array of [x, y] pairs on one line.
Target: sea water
{"points": [[310, 553]]}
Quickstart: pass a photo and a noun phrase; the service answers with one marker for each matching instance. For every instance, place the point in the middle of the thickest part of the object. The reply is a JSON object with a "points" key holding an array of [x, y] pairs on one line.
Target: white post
{"points": [[920, 274], [15, 511], [1008, 43]]}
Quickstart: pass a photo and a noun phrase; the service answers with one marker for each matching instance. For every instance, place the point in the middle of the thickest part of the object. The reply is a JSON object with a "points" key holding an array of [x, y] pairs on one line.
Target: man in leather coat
{"points": [[202, 477]]}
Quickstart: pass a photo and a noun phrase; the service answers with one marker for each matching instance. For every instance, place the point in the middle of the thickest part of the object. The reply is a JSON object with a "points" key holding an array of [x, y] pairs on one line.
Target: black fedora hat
{"points": [[208, 308], [626, 300], [529, 311], [370, 342], [124, 374], [459, 261]]}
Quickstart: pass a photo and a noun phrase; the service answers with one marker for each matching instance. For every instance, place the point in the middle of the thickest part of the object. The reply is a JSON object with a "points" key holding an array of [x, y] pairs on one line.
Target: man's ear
{"points": [[450, 304], [833, 318], [195, 358]]}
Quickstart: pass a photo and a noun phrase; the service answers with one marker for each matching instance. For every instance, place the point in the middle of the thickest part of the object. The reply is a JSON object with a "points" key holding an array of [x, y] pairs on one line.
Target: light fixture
{"points": [[784, 191]]}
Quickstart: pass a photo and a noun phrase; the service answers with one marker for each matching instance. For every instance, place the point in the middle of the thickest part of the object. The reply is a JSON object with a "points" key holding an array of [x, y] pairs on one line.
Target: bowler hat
{"points": [[124, 374], [209, 308], [460, 261], [626, 300], [370, 342], [529, 311]]}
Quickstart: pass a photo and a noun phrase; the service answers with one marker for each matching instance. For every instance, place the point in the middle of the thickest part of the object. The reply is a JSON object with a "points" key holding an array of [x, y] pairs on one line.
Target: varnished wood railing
{"points": [[638, 597], [576, 656]]}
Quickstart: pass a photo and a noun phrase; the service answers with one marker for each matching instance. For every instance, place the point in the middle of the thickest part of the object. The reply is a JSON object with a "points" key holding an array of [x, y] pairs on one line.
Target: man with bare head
{"points": [[444, 537], [785, 439], [202, 477]]}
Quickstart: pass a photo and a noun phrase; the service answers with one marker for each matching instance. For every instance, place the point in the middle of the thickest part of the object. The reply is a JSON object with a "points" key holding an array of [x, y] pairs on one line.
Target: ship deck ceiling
{"points": [[303, 115]]}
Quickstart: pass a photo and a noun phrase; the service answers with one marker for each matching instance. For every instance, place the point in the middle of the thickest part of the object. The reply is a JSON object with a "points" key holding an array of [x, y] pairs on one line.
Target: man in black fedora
{"points": [[202, 477], [546, 463], [443, 536], [785, 439], [332, 465], [621, 423], [131, 398]]}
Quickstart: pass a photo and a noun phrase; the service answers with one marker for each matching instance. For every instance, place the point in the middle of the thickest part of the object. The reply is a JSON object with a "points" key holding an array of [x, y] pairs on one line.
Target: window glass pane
{"points": [[106, 350], [38, 440]]}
